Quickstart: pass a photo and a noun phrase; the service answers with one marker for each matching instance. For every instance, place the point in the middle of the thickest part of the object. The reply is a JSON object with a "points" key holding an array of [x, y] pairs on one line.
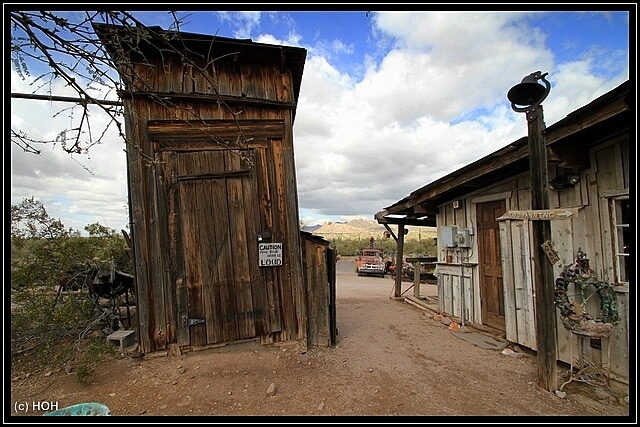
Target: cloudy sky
{"points": [[390, 101]]}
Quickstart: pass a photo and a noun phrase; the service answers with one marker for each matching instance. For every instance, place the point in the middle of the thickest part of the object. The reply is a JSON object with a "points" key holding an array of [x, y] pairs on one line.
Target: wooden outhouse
{"points": [[219, 255], [484, 219]]}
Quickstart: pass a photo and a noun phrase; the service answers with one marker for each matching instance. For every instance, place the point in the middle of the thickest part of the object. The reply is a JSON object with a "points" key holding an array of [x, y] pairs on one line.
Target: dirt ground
{"points": [[392, 359]]}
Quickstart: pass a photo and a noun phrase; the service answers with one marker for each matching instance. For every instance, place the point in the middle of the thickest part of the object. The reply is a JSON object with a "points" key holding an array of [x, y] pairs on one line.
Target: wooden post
{"points": [[416, 278], [545, 313], [399, 256]]}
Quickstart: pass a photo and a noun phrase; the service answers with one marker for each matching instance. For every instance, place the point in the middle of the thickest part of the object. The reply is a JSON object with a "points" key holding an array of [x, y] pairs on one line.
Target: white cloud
{"points": [[80, 189], [435, 103]]}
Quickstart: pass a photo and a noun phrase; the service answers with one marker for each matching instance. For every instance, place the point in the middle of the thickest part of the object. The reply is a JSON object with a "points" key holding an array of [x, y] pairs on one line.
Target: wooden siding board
{"points": [[446, 300], [523, 291], [441, 280], [293, 280], [162, 77], [331, 267], [619, 340], [221, 258], [321, 299], [224, 75], [142, 78], [466, 312], [221, 309], [208, 242], [596, 233], [193, 262], [279, 214], [181, 135], [476, 314], [156, 267], [203, 77], [623, 158], [564, 339], [177, 75], [317, 296], [266, 183], [233, 82], [238, 229], [188, 78], [198, 239], [271, 78], [252, 85], [285, 88], [293, 232], [176, 254], [508, 281], [163, 240], [527, 257], [177, 278], [455, 295], [135, 170], [144, 300], [251, 194], [518, 293], [609, 175]]}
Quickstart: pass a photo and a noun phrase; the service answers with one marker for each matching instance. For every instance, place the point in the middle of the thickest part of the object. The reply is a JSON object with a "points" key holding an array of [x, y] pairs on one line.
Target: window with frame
{"points": [[620, 216]]}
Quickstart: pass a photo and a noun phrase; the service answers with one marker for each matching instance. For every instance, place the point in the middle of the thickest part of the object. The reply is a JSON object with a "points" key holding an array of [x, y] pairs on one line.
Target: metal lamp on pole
{"points": [[526, 97]]}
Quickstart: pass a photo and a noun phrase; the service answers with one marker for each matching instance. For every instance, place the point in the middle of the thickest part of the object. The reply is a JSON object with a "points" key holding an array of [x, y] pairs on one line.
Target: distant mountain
{"points": [[364, 228]]}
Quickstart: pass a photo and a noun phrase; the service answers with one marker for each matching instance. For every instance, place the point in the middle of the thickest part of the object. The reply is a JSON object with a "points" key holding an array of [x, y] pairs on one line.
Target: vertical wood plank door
{"points": [[491, 286], [218, 220]]}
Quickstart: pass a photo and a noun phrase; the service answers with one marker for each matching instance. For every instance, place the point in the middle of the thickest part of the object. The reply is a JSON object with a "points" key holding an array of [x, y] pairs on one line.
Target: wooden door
{"points": [[218, 218], [491, 286]]}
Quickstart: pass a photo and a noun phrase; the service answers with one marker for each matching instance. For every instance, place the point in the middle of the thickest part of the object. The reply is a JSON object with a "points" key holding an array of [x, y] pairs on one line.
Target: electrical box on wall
{"points": [[463, 238], [447, 236]]}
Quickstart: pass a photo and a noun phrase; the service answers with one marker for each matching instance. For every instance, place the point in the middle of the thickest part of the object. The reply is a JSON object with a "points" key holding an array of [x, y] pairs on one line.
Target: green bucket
{"points": [[82, 409]]}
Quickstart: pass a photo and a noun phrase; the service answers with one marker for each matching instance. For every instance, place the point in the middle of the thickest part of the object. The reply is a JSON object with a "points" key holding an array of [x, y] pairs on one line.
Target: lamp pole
{"points": [[529, 94]]}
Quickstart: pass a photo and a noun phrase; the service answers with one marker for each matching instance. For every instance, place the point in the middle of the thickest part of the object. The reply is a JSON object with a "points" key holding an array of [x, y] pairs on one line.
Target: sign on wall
{"points": [[543, 214], [270, 254]]}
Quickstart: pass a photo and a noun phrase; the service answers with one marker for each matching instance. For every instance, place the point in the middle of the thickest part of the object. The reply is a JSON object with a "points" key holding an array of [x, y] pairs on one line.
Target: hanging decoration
{"points": [[573, 314]]}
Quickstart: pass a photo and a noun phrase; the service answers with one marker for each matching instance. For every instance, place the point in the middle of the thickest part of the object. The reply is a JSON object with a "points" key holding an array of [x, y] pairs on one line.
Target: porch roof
{"points": [[568, 141]]}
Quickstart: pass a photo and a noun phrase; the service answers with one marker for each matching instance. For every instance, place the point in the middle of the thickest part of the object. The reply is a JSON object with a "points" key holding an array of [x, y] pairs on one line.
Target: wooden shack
{"points": [[484, 219], [219, 256]]}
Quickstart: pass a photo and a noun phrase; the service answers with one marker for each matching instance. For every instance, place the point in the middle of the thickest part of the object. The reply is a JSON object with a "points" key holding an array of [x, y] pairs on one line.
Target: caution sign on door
{"points": [[270, 254]]}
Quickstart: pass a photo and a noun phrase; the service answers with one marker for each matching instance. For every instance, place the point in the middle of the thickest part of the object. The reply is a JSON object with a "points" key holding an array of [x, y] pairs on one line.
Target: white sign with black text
{"points": [[270, 254]]}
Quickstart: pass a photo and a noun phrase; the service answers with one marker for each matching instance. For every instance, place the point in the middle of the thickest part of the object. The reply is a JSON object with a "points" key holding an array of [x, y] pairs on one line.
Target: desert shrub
{"points": [[45, 256], [91, 356]]}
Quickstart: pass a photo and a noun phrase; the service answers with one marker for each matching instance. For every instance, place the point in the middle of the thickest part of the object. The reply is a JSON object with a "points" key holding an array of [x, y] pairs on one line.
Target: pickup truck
{"points": [[370, 262]]}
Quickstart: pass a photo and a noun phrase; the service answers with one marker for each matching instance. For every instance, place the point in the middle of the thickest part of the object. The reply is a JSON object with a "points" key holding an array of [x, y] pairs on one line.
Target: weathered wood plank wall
{"points": [[607, 176], [194, 214]]}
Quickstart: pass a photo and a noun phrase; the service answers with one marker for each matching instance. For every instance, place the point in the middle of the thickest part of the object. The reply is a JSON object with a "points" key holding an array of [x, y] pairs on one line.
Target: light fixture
{"points": [[564, 181]]}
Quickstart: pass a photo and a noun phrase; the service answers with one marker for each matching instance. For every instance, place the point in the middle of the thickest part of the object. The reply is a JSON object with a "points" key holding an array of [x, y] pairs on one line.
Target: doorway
{"points": [[490, 265]]}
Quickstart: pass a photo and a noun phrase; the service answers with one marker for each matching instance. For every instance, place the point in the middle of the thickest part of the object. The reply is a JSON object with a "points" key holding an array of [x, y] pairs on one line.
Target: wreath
{"points": [[574, 315]]}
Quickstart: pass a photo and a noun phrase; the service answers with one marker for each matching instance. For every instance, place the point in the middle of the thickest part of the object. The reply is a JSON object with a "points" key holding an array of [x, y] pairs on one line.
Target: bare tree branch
{"points": [[68, 51]]}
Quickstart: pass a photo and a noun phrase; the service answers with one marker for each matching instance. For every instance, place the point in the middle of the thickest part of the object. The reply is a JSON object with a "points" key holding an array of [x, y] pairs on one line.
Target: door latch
{"points": [[190, 322]]}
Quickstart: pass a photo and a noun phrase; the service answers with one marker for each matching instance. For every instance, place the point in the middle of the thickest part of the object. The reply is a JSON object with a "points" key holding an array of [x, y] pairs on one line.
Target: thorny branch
{"points": [[62, 50]]}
